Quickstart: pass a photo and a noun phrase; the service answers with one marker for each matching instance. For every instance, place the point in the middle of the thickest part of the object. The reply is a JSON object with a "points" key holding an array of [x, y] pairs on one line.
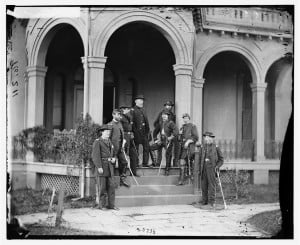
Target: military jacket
{"points": [[167, 128], [210, 157], [117, 135], [101, 152], [140, 126], [189, 131]]}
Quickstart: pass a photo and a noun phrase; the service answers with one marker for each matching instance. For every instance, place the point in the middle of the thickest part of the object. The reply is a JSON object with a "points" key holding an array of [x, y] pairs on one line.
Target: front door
{"points": [[78, 103]]}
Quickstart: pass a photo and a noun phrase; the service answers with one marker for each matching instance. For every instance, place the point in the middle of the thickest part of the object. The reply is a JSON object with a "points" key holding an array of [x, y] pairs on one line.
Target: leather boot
{"points": [[181, 176], [123, 181]]}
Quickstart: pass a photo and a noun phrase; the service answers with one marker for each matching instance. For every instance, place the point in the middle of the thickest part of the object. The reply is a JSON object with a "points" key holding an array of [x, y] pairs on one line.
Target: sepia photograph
{"points": [[149, 121]]}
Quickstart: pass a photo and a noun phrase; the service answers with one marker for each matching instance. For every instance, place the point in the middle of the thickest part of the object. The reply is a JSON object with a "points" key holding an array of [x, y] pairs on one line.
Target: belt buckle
{"points": [[206, 159]]}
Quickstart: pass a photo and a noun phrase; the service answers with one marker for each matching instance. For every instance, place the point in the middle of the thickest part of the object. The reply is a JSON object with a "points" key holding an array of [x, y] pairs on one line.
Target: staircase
{"points": [[155, 190]]}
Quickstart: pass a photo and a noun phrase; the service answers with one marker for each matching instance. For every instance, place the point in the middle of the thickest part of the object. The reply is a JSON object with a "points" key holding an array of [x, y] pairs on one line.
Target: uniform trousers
{"points": [[159, 146], [106, 186], [208, 184]]}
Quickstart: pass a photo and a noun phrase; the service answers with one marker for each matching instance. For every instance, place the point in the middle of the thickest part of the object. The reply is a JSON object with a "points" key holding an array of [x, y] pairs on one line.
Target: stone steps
{"points": [[154, 180], [141, 190], [154, 189], [153, 200]]}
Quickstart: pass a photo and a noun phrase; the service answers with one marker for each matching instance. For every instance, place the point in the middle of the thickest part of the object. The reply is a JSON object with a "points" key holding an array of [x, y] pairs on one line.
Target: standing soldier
{"points": [[130, 148], [167, 132], [141, 128], [118, 141], [188, 136], [211, 159], [104, 161], [167, 108]]}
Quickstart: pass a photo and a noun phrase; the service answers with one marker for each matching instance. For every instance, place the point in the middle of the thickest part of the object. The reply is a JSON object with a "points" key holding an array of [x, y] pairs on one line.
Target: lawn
{"points": [[269, 222]]}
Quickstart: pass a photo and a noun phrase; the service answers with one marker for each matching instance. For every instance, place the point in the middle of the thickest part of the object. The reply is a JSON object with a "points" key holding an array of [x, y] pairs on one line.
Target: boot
{"points": [[181, 176], [167, 171], [124, 182]]}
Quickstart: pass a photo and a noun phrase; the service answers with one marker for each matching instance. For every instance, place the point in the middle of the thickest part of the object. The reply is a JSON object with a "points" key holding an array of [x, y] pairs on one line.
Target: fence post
{"points": [[196, 181]]}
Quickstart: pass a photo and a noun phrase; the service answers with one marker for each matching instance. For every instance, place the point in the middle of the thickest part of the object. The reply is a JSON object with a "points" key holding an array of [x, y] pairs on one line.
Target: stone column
{"points": [[258, 119], [35, 99], [94, 86], [183, 90], [197, 103]]}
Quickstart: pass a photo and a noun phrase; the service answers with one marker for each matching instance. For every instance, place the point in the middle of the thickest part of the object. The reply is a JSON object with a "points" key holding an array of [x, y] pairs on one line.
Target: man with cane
{"points": [[188, 136], [167, 132], [211, 159]]}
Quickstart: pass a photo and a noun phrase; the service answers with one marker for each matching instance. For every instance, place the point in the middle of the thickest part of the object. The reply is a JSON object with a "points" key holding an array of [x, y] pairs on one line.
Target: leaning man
{"points": [[211, 159], [104, 161]]}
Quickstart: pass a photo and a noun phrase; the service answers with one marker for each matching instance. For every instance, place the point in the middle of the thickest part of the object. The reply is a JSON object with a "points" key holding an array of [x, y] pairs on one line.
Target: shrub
{"points": [[36, 140]]}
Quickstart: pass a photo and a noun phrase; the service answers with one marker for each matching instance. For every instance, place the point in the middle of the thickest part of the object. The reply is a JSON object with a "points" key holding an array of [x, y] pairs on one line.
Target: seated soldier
{"points": [[167, 131]]}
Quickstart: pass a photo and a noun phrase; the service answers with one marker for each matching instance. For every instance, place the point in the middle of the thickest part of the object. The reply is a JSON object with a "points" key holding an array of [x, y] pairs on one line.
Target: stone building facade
{"points": [[230, 68]]}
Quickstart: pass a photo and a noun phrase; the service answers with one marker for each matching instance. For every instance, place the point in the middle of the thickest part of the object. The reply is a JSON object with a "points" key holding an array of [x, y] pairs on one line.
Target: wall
{"points": [[16, 79]]}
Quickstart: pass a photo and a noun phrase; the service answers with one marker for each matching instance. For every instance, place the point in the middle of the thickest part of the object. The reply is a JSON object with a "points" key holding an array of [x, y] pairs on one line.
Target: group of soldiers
{"points": [[130, 128]]}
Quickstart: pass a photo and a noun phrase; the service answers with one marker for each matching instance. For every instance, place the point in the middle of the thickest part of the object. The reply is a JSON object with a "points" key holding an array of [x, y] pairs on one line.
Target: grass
{"points": [[269, 222]]}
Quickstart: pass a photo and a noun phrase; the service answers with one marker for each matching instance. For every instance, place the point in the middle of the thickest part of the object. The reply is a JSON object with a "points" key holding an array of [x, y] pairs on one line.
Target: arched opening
{"points": [[278, 104], [227, 100], [141, 61], [64, 79]]}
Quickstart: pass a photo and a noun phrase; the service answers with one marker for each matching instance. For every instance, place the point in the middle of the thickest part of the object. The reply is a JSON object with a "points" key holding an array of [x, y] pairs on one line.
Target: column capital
{"points": [[198, 82], [94, 61], [258, 87], [36, 71], [183, 69]]}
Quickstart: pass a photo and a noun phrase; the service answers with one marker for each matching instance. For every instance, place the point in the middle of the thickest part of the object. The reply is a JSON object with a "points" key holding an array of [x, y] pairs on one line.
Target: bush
{"points": [[66, 147], [36, 139]]}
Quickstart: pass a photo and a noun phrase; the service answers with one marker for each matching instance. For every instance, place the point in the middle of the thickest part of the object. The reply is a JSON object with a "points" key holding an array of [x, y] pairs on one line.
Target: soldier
{"points": [[211, 159], [130, 148], [104, 160], [167, 107], [167, 132], [188, 136], [141, 128], [118, 141]]}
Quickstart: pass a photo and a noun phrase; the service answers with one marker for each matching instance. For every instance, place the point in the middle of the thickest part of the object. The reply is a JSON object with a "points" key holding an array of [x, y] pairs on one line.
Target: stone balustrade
{"points": [[256, 21]]}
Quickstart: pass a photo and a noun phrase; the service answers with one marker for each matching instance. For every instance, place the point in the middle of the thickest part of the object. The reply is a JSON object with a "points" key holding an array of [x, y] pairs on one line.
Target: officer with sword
{"points": [[188, 136], [129, 147], [164, 138]]}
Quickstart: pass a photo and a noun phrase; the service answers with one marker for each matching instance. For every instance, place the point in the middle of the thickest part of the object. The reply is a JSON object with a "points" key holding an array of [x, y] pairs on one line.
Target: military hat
{"points": [[123, 106], [186, 115], [105, 127], [140, 96], [169, 102], [210, 134], [116, 111]]}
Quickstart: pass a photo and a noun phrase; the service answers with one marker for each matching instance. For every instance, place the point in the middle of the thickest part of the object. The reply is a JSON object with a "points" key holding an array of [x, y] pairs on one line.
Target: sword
{"points": [[225, 206], [128, 164]]}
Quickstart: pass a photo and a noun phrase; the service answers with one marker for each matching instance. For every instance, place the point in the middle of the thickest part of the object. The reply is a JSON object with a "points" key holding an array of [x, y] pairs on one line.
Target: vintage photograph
{"points": [[149, 121]]}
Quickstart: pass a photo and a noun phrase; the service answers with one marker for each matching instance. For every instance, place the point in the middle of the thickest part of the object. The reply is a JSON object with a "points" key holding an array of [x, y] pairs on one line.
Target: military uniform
{"points": [[102, 153], [156, 124], [167, 129], [210, 158], [188, 131], [130, 148], [140, 128], [117, 136]]}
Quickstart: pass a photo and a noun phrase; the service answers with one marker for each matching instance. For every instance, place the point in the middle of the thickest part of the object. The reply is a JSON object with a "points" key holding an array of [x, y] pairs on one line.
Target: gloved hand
{"points": [[100, 170]]}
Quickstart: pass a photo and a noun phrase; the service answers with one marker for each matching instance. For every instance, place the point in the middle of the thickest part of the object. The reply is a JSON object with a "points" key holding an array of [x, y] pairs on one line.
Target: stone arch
{"points": [[171, 33], [272, 59], [38, 50], [246, 54]]}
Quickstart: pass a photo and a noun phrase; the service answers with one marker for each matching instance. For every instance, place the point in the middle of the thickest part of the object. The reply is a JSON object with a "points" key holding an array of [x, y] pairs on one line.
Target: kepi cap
{"points": [[105, 127], [210, 134], [140, 96]]}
